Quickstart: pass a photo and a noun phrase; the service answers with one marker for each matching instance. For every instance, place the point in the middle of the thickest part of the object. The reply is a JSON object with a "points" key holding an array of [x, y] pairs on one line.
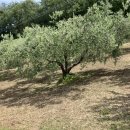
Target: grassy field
{"points": [[99, 99]]}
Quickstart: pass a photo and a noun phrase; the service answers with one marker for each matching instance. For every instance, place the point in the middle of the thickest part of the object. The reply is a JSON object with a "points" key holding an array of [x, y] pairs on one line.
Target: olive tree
{"points": [[78, 40], [12, 52]]}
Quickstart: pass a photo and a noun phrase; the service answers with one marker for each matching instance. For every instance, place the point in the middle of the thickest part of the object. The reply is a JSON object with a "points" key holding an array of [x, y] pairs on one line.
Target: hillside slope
{"points": [[98, 100]]}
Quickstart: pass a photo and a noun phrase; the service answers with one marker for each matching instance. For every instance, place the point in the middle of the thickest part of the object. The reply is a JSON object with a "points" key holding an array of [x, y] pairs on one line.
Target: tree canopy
{"points": [[93, 37]]}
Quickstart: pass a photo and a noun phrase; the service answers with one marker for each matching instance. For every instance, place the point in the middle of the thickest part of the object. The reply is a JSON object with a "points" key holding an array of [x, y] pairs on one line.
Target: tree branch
{"points": [[75, 64], [66, 62], [58, 63]]}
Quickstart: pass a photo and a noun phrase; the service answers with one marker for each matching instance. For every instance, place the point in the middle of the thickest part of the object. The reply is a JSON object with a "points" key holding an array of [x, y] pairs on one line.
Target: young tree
{"points": [[80, 39]]}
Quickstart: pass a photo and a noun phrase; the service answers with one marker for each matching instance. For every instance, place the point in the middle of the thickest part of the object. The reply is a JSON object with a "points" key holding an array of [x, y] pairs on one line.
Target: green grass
{"points": [[119, 126], [105, 111], [61, 125]]}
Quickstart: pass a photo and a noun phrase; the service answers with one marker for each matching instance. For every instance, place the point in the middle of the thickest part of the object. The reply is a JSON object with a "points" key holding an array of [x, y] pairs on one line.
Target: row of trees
{"points": [[16, 16], [92, 37]]}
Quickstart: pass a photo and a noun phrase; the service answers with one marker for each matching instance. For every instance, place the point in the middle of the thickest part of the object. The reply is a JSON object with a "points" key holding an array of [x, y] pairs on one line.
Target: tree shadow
{"points": [[118, 77], [48, 93], [115, 110], [8, 75], [125, 51]]}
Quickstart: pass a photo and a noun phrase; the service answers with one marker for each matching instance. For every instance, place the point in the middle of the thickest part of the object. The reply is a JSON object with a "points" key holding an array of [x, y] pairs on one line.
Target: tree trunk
{"points": [[65, 68], [65, 72]]}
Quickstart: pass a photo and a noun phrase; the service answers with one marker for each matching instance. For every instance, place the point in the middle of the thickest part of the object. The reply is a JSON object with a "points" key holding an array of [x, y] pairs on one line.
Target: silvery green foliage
{"points": [[55, 16], [11, 52], [81, 39]]}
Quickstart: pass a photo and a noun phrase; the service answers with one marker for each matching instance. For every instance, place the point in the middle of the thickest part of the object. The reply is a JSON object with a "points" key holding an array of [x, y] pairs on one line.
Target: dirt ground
{"points": [[98, 100]]}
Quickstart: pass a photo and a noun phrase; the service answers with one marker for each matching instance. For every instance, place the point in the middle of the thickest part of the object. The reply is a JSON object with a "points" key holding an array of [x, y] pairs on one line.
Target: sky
{"points": [[9, 1]]}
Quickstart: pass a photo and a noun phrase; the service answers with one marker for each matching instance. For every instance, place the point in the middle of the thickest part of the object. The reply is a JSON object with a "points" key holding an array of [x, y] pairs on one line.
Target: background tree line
{"points": [[16, 16]]}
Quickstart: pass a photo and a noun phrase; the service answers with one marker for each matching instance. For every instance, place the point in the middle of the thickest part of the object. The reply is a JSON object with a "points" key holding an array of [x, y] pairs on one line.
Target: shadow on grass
{"points": [[115, 110], [50, 93], [8, 75], [125, 51], [116, 77]]}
